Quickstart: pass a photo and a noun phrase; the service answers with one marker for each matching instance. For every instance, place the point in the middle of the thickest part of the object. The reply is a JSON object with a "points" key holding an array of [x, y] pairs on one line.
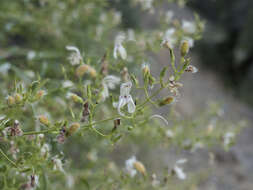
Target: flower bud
{"points": [[18, 98], [93, 72], [184, 48], [44, 120], [10, 100], [81, 70], [191, 68], [145, 69], [76, 98], [166, 101], [73, 128], [40, 94], [140, 167]]}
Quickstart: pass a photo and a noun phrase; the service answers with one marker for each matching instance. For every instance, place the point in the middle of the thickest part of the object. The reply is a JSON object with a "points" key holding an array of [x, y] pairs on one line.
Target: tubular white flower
{"points": [[109, 82], [118, 47], [125, 98]]}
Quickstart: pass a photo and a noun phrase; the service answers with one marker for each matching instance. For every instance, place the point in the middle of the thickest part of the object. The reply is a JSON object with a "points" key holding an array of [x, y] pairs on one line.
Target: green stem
{"points": [[39, 132], [7, 158], [150, 97], [53, 128]]}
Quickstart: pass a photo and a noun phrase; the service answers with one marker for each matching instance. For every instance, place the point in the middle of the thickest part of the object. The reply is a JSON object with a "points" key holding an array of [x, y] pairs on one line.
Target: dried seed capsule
{"points": [[166, 101], [73, 128], [81, 70], [44, 120], [10, 100], [140, 167], [18, 98]]}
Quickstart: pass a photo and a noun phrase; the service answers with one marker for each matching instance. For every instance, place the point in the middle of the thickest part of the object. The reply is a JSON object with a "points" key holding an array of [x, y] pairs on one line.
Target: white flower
{"points": [[118, 47], [58, 165], [109, 82], [44, 150], [178, 170], [188, 27], [31, 55], [228, 137], [67, 84], [169, 15], [169, 133], [169, 38], [130, 166], [155, 181], [147, 4], [4, 68], [125, 98], [75, 57]]}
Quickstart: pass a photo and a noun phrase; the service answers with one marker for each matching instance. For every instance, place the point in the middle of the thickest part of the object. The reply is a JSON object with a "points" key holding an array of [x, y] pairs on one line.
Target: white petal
{"points": [[73, 48], [130, 105], [115, 104], [122, 52], [111, 81], [125, 88], [181, 161], [105, 92], [115, 52], [180, 173], [122, 103]]}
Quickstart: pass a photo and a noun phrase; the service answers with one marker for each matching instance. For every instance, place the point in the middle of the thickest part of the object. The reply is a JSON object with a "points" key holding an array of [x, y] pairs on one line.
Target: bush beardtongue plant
{"points": [[59, 120]]}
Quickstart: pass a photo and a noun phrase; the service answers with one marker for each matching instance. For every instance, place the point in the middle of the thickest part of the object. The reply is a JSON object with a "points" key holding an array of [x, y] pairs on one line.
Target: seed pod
{"points": [[18, 98], [104, 65], [145, 69], [76, 98], [44, 120], [82, 69], [140, 167], [116, 124], [86, 112], [10, 100], [166, 101], [73, 128], [92, 72], [62, 135], [184, 48]]}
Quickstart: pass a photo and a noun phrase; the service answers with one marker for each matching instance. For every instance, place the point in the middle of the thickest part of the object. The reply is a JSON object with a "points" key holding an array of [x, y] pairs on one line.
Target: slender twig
{"points": [[7, 158]]}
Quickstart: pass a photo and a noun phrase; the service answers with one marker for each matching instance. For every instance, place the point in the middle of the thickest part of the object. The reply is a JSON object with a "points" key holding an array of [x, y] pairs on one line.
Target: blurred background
{"points": [[224, 57]]}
